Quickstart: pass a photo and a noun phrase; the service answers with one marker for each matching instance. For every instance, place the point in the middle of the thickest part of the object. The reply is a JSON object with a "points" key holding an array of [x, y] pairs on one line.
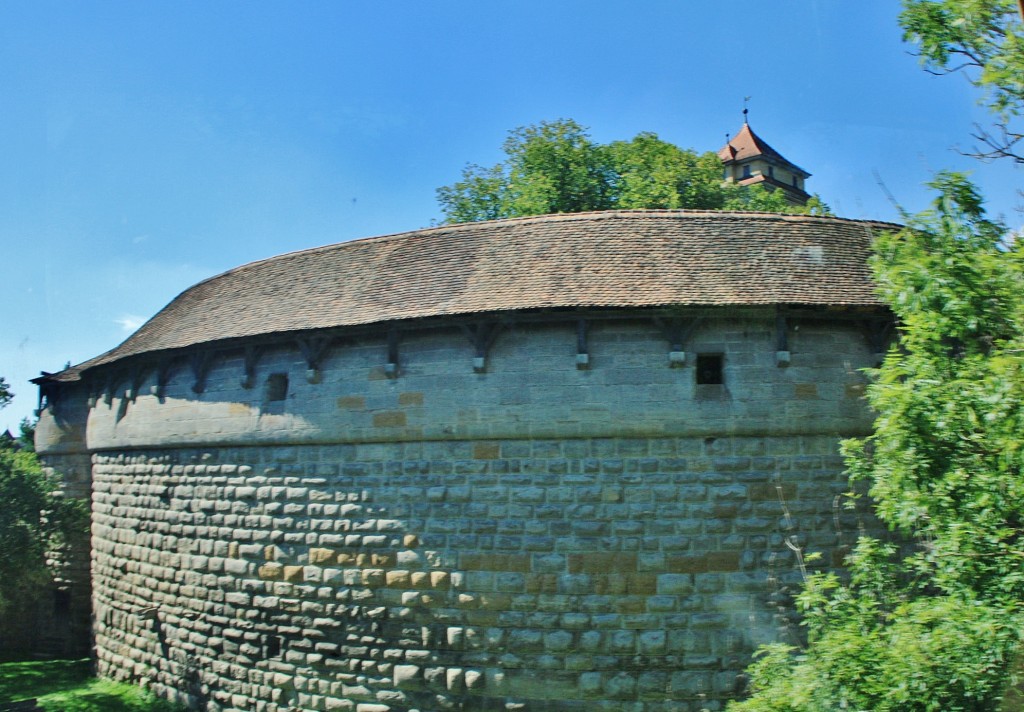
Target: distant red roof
{"points": [[746, 146]]}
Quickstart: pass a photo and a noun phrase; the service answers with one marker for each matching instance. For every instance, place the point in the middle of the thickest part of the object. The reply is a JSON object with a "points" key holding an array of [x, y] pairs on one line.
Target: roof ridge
{"points": [[616, 258], [552, 217]]}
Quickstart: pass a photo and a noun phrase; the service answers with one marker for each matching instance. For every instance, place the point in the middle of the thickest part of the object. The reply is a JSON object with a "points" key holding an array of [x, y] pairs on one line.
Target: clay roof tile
{"points": [[604, 259]]}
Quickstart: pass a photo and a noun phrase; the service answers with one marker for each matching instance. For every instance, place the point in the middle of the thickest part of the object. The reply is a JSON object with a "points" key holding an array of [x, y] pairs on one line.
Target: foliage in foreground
{"points": [[937, 627], [33, 520], [555, 167], [984, 41], [68, 686]]}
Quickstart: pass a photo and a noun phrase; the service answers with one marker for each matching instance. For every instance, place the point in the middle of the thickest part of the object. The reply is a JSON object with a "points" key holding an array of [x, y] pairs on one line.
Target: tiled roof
{"points": [[604, 259], [747, 145]]}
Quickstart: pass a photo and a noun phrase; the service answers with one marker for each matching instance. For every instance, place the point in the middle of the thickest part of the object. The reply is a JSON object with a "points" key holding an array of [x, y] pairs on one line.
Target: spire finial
{"points": [[745, 109]]}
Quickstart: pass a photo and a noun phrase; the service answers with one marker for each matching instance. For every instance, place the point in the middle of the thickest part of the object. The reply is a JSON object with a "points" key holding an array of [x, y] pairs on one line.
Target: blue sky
{"points": [[145, 146]]}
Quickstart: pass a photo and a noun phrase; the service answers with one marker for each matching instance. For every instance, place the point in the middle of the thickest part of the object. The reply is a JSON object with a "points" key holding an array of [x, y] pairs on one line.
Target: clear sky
{"points": [[145, 146]]}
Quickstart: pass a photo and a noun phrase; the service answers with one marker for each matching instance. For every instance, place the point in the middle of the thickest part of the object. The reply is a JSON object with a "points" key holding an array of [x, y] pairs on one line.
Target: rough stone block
{"points": [[389, 419]]}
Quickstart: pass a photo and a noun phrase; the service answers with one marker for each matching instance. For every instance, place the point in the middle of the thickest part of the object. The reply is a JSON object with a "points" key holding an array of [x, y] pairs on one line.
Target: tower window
{"points": [[746, 171], [277, 387], [709, 369], [771, 171]]}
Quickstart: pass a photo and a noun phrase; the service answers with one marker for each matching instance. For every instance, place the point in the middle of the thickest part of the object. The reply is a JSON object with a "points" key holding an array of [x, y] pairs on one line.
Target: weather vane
{"points": [[745, 109]]}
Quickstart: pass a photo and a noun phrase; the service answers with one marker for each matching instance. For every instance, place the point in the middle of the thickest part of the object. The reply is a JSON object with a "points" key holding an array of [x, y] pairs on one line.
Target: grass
{"points": [[69, 686]]}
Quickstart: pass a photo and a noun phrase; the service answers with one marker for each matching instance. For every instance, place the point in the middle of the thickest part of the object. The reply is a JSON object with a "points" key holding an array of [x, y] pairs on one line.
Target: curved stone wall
{"points": [[535, 535]]}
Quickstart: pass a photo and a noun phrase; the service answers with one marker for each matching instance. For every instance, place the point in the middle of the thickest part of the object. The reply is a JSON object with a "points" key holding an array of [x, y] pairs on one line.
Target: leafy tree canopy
{"points": [[33, 518], [984, 39], [555, 167], [5, 393], [936, 627]]}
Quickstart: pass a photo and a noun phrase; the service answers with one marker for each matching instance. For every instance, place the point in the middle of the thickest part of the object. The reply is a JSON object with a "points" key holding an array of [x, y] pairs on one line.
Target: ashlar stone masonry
{"points": [[539, 510]]}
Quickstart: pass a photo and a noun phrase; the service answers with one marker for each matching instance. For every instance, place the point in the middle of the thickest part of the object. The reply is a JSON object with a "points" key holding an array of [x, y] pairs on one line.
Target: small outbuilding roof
{"points": [[585, 260]]}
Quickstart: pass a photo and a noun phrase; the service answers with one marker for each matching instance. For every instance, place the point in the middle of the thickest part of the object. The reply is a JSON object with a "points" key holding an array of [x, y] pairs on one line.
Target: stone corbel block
{"points": [[479, 364], [391, 369], [782, 358], [247, 381], [313, 375], [582, 361], [676, 359]]}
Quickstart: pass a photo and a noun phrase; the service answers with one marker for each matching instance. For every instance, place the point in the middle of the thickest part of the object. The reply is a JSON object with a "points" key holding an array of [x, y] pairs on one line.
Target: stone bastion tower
{"points": [[548, 463]]}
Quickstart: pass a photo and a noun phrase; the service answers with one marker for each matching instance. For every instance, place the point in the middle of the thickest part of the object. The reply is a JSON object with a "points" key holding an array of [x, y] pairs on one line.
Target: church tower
{"points": [[748, 160]]}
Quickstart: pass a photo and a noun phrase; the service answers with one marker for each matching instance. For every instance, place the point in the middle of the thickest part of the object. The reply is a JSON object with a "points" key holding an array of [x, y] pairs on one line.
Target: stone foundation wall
{"points": [[532, 574], [529, 530]]}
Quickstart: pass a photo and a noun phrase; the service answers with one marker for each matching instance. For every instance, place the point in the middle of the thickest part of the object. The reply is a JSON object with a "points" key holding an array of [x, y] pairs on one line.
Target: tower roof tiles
{"points": [[586, 260]]}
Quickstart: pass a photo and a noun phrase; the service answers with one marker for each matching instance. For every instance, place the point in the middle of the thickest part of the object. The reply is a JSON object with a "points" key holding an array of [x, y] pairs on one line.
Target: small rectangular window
{"points": [[709, 369], [277, 387]]}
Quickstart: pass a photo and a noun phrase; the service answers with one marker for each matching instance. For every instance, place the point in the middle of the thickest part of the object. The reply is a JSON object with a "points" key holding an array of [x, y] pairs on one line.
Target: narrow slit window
{"points": [[277, 387], [709, 370], [273, 646]]}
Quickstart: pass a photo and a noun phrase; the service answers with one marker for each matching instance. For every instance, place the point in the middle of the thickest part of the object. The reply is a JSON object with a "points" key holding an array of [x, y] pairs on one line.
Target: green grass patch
{"points": [[68, 686]]}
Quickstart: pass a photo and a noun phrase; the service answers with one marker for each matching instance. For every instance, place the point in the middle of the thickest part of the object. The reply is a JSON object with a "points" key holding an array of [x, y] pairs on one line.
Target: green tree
{"points": [[555, 167], [651, 173], [27, 434], [983, 40], [936, 627], [33, 520], [5, 393]]}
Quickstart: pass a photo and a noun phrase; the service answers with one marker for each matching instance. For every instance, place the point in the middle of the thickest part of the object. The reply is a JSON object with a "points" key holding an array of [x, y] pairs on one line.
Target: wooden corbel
{"points": [[391, 365], [163, 376], [94, 394], [108, 387], [313, 350], [47, 397], [582, 345], [782, 354], [677, 331], [200, 362], [251, 359], [135, 382], [878, 332], [482, 335]]}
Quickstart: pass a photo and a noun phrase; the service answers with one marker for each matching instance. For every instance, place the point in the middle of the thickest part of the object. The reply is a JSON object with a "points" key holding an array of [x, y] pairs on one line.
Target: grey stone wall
{"points": [[531, 388], [534, 536], [553, 574]]}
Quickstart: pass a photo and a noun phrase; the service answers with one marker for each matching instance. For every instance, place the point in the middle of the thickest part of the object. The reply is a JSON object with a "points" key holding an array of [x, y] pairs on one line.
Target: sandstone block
{"points": [[407, 676]]}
